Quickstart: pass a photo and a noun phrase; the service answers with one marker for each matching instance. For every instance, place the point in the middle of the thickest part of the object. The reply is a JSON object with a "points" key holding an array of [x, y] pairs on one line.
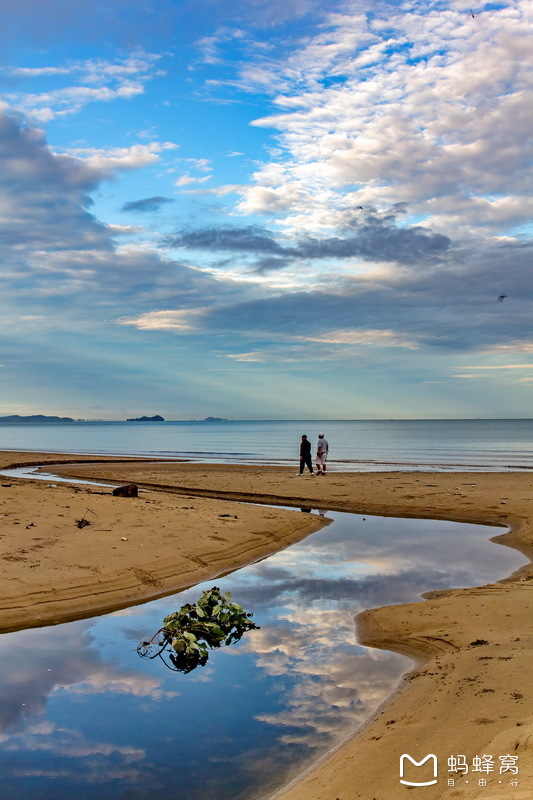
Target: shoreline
{"points": [[471, 688], [339, 466]]}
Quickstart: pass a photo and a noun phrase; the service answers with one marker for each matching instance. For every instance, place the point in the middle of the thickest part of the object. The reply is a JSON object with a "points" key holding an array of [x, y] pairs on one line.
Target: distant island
{"points": [[43, 419], [17, 419], [157, 418]]}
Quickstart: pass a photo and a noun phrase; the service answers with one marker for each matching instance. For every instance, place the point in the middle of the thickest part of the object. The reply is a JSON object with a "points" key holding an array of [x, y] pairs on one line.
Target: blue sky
{"points": [[266, 210]]}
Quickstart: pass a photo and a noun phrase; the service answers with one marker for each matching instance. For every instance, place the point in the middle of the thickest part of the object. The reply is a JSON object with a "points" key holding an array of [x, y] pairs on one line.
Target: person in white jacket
{"points": [[322, 450]]}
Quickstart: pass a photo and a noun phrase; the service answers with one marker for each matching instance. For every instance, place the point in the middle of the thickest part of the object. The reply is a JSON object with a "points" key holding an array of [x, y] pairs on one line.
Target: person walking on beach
{"points": [[305, 455], [322, 449]]}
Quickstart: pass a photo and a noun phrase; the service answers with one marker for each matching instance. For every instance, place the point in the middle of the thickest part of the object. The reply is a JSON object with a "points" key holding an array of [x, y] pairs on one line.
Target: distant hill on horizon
{"points": [[156, 418], [34, 418]]}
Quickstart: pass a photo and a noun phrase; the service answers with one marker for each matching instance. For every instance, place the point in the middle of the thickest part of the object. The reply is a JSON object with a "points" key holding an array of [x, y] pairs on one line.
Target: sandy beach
{"points": [[471, 689], [56, 569]]}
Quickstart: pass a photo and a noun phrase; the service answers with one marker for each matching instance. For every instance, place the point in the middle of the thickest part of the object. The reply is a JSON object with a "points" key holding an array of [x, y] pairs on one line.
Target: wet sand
{"points": [[471, 691], [131, 550]]}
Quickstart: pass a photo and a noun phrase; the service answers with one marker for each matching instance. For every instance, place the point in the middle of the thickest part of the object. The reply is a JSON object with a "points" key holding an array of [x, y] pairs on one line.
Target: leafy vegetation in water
{"points": [[187, 635]]}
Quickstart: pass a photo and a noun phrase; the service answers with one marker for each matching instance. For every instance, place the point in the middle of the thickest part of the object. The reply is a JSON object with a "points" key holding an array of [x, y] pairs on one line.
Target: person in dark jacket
{"points": [[305, 455]]}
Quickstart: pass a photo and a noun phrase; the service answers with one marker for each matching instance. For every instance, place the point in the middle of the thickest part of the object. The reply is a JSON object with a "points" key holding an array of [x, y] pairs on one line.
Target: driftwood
{"points": [[131, 490]]}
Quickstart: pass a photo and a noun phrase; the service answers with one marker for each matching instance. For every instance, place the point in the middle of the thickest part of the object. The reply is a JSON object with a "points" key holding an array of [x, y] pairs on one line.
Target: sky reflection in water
{"points": [[81, 715]]}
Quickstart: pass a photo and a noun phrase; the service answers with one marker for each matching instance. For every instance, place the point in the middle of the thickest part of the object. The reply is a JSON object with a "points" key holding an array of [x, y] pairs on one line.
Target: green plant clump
{"points": [[188, 634]]}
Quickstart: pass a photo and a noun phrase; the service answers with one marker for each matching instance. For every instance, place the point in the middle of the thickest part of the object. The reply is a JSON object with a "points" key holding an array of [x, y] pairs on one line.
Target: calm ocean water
{"points": [[354, 444]]}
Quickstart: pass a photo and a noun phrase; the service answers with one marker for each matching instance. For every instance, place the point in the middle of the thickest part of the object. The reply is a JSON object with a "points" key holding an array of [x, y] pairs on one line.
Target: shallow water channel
{"points": [[82, 715]]}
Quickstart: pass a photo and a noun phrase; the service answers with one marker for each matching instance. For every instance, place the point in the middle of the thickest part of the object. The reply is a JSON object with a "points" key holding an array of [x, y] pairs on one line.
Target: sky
{"points": [[266, 210]]}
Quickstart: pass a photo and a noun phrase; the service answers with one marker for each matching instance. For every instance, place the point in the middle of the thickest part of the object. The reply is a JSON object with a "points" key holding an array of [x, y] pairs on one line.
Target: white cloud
{"points": [[427, 107], [202, 164], [504, 366], [220, 191], [524, 346], [33, 72], [186, 180], [276, 198], [115, 158], [123, 230], [170, 320], [244, 357], [373, 338], [209, 46], [94, 81], [351, 342]]}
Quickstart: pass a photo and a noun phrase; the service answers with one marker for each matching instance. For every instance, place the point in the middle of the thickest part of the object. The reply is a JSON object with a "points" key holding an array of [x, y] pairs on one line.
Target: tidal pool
{"points": [[83, 716]]}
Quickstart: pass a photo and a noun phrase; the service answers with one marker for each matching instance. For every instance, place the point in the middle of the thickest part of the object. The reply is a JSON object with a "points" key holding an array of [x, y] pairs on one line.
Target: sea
{"points": [[355, 445]]}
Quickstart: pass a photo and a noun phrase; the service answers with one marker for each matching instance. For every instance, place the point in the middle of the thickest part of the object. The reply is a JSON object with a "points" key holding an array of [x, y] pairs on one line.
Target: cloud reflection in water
{"points": [[80, 709]]}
